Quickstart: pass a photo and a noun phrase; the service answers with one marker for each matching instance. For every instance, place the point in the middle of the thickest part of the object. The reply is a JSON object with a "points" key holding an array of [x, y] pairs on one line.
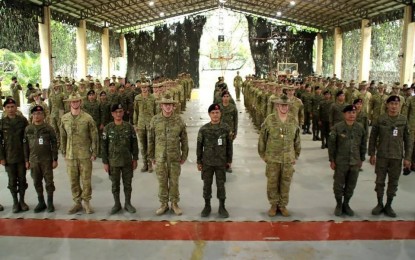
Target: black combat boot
{"points": [[145, 167], [117, 203], [388, 208], [318, 135], [51, 207], [41, 206], [346, 208], [1, 207], [23, 205], [223, 213], [304, 130], [207, 209], [338, 210], [127, 206], [308, 129], [379, 208], [323, 144], [314, 135], [16, 205]]}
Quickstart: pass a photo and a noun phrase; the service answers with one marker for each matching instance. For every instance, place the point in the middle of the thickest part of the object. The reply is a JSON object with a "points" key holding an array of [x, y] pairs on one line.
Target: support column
{"points": [[123, 62], [365, 43], [319, 61], [81, 53], [105, 44], [408, 39], [338, 44], [46, 65]]}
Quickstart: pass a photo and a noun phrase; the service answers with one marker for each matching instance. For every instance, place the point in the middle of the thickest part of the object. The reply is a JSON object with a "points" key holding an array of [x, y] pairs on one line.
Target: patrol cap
{"points": [[9, 100], [357, 100], [115, 107], [349, 108], [91, 92], [36, 109], [339, 93], [393, 98], [213, 107], [225, 92]]}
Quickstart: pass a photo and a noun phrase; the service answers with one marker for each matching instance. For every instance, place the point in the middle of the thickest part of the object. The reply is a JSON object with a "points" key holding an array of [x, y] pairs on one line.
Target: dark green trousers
{"points": [[207, 176]]}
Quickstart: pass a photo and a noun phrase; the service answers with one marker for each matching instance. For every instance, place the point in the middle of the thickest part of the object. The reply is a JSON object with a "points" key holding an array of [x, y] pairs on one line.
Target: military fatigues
{"points": [[214, 152], [14, 88], [168, 146], [377, 106], [79, 140], [315, 108], [347, 149], [237, 83], [324, 117], [11, 150], [336, 113], [119, 149], [279, 145], [307, 99], [40, 149], [56, 107]]}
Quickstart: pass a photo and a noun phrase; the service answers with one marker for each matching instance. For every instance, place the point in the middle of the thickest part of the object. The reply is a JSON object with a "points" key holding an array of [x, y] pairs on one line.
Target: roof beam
{"points": [[108, 7]]}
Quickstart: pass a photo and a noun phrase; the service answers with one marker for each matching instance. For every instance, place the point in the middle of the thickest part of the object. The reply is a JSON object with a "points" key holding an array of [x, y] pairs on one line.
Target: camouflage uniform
{"points": [[336, 113], [56, 107], [279, 146], [307, 99], [14, 88], [377, 106], [119, 149], [315, 108], [79, 142], [237, 83]]}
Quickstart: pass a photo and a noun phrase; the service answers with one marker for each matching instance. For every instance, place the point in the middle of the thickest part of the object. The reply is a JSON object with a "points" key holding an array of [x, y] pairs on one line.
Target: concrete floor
{"points": [[311, 199]]}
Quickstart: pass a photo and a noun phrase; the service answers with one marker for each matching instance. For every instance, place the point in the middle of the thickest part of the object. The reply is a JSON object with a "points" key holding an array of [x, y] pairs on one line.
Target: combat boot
{"points": [[23, 205], [163, 208], [323, 145], [272, 212], [223, 213], [1, 207], [308, 130], [87, 207], [379, 208], [346, 208], [284, 211], [176, 209], [338, 210], [51, 207], [16, 205], [318, 135], [150, 167], [75, 208], [145, 167], [127, 205], [388, 208], [229, 170], [314, 135], [117, 204], [41, 206], [207, 209]]}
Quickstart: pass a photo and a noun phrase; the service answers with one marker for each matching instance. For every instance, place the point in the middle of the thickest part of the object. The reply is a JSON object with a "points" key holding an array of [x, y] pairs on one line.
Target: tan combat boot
{"points": [[87, 207], [284, 211], [272, 212], [176, 209], [75, 208], [163, 208]]}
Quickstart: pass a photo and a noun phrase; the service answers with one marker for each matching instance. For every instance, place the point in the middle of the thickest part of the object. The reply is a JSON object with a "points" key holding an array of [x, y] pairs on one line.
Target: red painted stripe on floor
{"points": [[213, 231]]}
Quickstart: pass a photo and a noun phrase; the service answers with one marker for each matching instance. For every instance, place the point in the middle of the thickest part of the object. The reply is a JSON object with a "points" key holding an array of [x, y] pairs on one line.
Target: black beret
{"points": [[316, 87], [357, 100], [9, 100], [225, 92], [393, 98], [349, 108], [326, 92], [36, 108], [91, 92], [339, 93], [115, 107], [213, 107], [103, 93]]}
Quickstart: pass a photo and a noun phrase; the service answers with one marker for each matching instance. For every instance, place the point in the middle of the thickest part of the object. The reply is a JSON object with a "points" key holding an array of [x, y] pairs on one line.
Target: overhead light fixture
{"points": [[151, 3], [279, 13], [162, 14], [292, 3]]}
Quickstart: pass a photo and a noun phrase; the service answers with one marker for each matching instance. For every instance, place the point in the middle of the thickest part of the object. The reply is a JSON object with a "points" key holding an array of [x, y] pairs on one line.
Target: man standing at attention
{"points": [[214, 155], [237, 83], [390, 141], [279, 146], [347, 150], [229, 116], [79, 145], [168, 149]]}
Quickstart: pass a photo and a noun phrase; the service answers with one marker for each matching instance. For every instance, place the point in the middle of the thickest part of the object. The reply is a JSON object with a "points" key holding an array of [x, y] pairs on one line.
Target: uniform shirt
{"points": [[11, 139], [14, 88], [279, 142], [297, 110], [347, 144], [315, 104], [168, 139], [79, 136], [55, 101], [377, 106], [40, 144], [237, 81], [307, 99], [214, 146], [336, 113], [390, 138], [92, 108], [105, 113], [144, 109], [229, 116], [119, 144]]}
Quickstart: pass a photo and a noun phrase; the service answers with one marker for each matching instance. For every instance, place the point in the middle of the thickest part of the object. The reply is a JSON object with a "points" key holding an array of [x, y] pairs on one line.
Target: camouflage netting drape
{"points": [[63, 48], [286, 45], [167, 51], [328, 54], [350, 55], [94, 49], [115, 47], [19, 30], [386, 43]]}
